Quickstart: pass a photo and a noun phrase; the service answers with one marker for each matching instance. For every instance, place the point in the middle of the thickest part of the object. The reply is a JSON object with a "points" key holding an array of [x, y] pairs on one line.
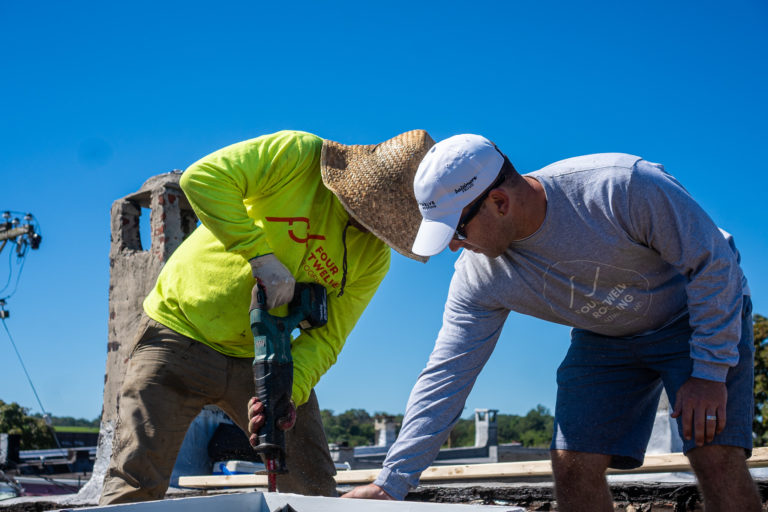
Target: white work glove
{"points": [[277, 281]]}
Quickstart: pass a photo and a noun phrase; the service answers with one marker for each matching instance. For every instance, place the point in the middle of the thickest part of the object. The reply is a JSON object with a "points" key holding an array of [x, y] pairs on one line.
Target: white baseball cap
{"points": [[451, 175]]}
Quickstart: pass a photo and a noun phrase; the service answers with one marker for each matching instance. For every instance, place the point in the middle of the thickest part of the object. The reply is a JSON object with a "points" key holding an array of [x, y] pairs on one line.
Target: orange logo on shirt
{"points": [[291, 233]]}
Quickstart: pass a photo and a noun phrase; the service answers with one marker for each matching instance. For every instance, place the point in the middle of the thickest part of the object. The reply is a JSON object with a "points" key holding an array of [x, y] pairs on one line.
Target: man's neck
{"points": [[532, 204], [355, 224]]}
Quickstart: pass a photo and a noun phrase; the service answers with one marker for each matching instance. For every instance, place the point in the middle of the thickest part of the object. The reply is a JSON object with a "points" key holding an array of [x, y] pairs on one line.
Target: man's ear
{"points": [[501, 201]]}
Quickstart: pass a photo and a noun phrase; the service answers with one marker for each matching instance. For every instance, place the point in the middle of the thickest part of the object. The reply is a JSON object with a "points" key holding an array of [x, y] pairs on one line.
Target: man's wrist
{"points": [[710, 371], [392, 483]]}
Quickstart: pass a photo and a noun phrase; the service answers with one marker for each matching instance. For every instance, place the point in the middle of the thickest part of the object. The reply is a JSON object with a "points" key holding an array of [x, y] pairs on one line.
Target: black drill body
{"points": [[273, 364]]}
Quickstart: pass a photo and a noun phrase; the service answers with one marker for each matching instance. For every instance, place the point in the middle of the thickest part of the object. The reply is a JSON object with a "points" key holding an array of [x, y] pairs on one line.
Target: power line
{"points": [[10, 275], [24, 235], [46, 416], [10, 265]]}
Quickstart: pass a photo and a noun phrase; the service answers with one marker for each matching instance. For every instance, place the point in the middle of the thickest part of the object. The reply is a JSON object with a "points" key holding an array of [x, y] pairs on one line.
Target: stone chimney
{"points": [[134, 266]]}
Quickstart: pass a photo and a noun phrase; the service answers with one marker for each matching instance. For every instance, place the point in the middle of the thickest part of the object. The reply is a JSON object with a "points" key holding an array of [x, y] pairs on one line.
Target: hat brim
{"points": [[374, 183], [434, 235]]}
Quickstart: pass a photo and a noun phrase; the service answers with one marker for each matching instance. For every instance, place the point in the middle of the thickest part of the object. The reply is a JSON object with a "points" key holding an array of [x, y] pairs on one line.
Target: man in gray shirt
{"points": [[616, 248]]}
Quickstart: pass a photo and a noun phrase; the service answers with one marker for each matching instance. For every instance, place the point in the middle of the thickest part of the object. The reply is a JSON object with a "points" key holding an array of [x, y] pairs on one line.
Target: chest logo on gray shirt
{"points": [[589, 294]]}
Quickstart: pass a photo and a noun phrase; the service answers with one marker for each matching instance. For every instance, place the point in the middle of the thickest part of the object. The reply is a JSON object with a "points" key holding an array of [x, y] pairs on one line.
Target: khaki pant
{"points": [[168, 381]]}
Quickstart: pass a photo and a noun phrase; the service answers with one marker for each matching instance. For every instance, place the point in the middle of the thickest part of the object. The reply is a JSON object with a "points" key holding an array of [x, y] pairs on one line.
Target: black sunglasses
{"points": [[460, 233]]}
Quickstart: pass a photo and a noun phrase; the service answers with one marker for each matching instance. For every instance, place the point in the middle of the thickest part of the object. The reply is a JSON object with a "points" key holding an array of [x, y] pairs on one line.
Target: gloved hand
{"points": [[277, 281], [256, 419]]}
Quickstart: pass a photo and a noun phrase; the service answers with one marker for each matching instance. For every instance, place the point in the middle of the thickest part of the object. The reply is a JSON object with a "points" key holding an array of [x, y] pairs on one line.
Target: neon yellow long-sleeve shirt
{"points": [[256, 197]]}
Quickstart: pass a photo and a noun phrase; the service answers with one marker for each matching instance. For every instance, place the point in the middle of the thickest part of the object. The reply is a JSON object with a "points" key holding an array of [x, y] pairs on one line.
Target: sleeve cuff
{"points": [[710, 371], [393, 484], [256, 251]]}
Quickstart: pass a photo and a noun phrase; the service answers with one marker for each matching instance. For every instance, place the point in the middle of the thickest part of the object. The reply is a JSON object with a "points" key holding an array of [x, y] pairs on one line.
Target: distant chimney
{"points": [[385, 427], [486, 431]]}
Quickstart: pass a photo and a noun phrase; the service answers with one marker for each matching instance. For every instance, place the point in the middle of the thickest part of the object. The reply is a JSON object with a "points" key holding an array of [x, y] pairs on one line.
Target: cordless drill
{"points": [[273, 364]]}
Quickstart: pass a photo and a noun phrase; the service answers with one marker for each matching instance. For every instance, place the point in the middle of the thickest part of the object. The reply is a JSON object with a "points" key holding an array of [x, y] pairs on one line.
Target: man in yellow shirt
{"points": [[280, 208]]}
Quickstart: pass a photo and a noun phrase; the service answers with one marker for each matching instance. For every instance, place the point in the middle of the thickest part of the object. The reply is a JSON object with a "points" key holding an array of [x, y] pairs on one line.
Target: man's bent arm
{"points": [[219, 185], [464, 344], [666, 218]]}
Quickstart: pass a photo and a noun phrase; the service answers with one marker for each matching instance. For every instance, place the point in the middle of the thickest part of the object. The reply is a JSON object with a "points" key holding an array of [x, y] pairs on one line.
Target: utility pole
{"points": [[25, 235], [22, 234]]}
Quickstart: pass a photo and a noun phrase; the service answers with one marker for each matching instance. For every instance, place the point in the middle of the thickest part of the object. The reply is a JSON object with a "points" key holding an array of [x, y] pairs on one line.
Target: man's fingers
{"points": [[255, 415], [255, 407], [287, 422], [710, 423], [255, 424], [699, 432], [370, 491], [715, 423], [679, 411], [255, 420], [700, 407], [720, 420], [686, 416]]}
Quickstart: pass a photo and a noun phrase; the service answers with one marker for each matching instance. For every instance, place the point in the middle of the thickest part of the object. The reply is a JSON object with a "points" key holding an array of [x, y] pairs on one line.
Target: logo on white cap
{"points": [[451, 175]]}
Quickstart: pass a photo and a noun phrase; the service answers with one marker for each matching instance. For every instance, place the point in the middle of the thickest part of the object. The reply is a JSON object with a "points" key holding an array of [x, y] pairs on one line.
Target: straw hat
{"points": [[375, 184]]}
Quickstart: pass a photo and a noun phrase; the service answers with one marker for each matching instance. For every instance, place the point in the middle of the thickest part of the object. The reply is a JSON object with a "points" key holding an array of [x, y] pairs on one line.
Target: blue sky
{"points": [[95, 97]]}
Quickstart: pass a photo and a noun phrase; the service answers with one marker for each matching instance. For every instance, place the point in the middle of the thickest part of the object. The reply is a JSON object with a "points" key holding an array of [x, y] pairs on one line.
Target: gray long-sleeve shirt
{"points": [[623, 250]]}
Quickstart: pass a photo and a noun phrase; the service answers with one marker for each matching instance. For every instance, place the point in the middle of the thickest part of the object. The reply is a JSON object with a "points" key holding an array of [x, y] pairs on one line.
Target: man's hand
{"points": [[701, 404], [256, 419], [277, 281], [368, 492]]}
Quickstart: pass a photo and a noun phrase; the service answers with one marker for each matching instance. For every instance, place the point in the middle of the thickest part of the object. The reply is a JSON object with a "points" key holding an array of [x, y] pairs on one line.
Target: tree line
{"points": [[760, 423], [355, 427], [33, 429]]}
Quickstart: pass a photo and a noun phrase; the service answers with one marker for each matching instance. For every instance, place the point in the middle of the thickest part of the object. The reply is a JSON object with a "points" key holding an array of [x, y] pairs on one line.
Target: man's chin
{"points": [[485, 252]]}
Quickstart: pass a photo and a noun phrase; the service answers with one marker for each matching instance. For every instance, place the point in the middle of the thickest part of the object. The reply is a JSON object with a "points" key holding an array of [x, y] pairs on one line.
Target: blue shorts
{"points": [[609, 388]]}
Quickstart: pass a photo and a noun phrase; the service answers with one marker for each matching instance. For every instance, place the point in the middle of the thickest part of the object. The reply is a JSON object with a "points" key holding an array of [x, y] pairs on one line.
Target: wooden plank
{"points": [[663, 463]]}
